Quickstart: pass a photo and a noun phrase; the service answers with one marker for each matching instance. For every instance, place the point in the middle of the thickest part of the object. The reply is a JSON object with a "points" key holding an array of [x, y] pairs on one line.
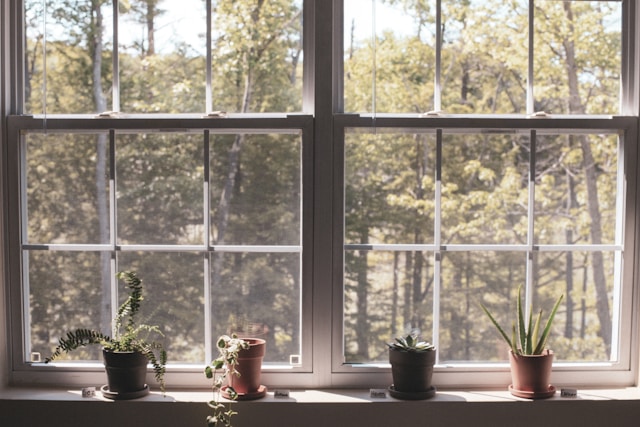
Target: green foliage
{"points": [[133, 337], [219, 371], [411, 343], [525, 338]]}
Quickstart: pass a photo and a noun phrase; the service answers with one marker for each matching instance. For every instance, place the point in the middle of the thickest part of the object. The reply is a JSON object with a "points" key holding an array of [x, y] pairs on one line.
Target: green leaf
{"points": [[521, 327], [545, 334], [500, 330]]}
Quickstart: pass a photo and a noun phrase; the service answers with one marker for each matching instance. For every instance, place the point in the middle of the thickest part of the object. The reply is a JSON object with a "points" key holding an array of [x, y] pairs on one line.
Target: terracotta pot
{"points": [[247, 384], [411, 371], [126, 373], [531, 374]]}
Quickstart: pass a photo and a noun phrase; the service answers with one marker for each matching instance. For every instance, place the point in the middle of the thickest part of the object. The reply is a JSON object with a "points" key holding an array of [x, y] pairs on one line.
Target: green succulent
{"points": [[525, 338], [411, 343]]}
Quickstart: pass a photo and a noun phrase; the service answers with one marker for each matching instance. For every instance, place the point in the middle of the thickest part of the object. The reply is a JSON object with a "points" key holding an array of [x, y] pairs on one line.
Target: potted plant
{"points": [[412, 362], [530, 360], [128, 352], [235, 374]]}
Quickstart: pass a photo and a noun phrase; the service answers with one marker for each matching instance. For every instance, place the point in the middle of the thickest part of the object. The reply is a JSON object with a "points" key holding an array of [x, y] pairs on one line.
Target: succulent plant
{"points": [[411, 343]]}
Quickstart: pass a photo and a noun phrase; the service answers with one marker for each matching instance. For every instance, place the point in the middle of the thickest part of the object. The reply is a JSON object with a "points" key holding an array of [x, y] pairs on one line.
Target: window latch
{"points": [[217, 114]]}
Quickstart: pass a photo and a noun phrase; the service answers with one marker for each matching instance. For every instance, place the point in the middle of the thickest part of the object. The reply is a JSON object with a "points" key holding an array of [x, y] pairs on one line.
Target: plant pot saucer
{"points": [[412, 395], [114, 395], [260, 393], [533, 394]]}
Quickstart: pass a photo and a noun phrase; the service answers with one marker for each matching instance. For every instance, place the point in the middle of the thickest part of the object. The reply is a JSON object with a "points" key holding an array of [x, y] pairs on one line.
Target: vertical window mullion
{"points": [[115, 59], [209, 63], [208, 336], [113, 221], [437, 242], [530, 222], [437, 101], [530, 100]]}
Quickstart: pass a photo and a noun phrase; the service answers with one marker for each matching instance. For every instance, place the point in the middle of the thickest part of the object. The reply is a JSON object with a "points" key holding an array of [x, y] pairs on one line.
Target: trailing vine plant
{"points": [[218, 371], [128, 334]]}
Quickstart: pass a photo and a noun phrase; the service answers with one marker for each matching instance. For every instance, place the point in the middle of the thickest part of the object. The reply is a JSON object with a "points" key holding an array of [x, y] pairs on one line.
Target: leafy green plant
{"points": [[411, 343], [128, 334], [525, 338], [219, 370]]}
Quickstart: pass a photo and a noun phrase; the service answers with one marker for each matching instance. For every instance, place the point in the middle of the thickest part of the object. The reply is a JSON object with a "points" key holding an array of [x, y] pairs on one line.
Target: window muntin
{"points": [[482, 222], [485, 57]]}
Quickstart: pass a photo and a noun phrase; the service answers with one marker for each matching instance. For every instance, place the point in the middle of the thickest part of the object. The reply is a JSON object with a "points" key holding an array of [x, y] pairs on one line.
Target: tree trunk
{"points": [[576, 107]]}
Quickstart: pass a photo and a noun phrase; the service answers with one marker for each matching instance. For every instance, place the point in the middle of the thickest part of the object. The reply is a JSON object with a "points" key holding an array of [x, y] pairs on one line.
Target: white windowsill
{"points": [[321, 396]]}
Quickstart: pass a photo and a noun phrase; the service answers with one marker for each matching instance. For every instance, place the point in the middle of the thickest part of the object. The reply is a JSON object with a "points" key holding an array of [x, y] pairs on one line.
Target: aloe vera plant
{"points": [[526, 338]]}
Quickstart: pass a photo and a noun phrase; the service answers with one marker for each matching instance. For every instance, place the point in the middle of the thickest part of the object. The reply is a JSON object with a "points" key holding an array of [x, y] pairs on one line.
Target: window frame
{"points": [[322, 247]]}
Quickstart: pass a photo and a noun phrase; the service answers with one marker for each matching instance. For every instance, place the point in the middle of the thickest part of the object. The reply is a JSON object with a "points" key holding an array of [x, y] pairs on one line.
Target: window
{"points": [[329, 174]]}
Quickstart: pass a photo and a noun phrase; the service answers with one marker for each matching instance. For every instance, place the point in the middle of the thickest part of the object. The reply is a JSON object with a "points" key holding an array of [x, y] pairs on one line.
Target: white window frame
{"points": [[323, 248]]}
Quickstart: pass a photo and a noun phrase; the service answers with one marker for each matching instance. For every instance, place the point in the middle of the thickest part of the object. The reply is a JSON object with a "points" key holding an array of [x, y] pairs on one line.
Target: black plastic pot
{"points": [[412, 373], [126, 375]]}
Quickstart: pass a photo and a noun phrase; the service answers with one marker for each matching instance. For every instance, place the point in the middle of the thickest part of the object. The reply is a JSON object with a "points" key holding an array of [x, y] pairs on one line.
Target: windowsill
{"points": [[321, 408], [321, 396]]}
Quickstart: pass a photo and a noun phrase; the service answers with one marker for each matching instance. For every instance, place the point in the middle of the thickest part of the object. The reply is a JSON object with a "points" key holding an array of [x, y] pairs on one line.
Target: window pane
{"points": [[162, 51], [484, 56], [258, 295], [66, 293], [469, 279], [389, 187], [160, 188], [67, 188], [576, 189], [484, 189], [577, 57], [394, 72], [257, 56], [65, 80], [387, 294], [583, 328], [173, 290], [256, 194]]}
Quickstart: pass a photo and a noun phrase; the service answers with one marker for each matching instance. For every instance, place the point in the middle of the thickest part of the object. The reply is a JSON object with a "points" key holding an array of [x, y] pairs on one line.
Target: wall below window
{"points": [[318, 408]]}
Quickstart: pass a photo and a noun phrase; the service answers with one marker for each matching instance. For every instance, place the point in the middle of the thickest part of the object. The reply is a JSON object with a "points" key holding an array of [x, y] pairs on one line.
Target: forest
{"points": [[486, 181]]}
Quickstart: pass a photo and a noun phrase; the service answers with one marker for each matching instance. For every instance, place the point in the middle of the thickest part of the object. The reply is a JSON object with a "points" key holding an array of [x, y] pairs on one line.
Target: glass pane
{"points": [[576, 189], [67, 186], [468, 280], [69, 36], [395, 72], [577, 57], [256, 194], [162, 54], [484, 189], [582, 329], [484, 56], [389, 187], [173, 291], [259, 295], [66, 293], [257, 56], [386, 294], [160, 188]]}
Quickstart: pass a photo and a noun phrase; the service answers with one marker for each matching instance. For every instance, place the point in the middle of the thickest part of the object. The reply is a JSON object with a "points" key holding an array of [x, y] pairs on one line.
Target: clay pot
{"points": [[247, 384], [411, 371], [530, 375]]}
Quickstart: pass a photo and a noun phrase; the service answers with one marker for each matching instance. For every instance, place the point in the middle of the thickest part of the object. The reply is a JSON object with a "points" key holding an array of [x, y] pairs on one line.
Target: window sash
{"points": [[619, 371]]}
